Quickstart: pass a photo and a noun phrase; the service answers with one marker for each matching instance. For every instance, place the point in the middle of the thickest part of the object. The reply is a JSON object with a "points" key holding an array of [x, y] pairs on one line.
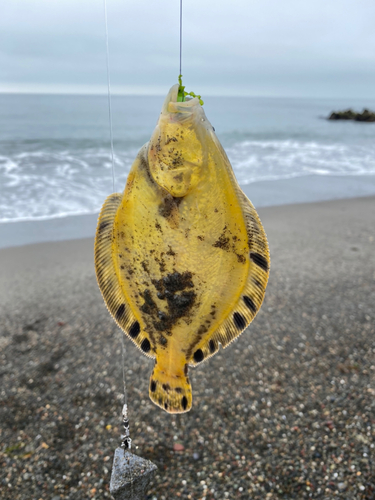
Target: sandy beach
{"points": [[285, 412]]}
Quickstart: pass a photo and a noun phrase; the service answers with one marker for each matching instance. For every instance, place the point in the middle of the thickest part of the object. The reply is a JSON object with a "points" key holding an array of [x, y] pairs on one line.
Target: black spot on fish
{"points": [[166, 387], [259, 260], [170, 139], [178, 390], [186, 368], [168, 206], [120, 311], [153, 386], [250, 303], [163, 341], [149, 307], [170, 251], [178, 281], [145, 346], [239, 320], [184, 402], [198, 356], [222, 242], [166, 406], [179, 304], [212, 347], [134, 330], [201, 330], [258, 283], [241, 259], [103, 225], [144, 264], [178, 177]]}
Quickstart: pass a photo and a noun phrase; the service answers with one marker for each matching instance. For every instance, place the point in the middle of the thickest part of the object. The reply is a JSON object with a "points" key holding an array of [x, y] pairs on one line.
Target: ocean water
{"points": [[55, 155]]}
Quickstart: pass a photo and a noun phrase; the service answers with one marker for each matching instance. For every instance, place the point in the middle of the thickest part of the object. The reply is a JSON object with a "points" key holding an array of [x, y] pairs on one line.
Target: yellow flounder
{"points": [[181, 256]]}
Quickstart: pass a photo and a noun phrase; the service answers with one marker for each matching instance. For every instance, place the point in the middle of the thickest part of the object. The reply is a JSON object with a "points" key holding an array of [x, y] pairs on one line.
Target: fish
{"points": [[181, 256]]}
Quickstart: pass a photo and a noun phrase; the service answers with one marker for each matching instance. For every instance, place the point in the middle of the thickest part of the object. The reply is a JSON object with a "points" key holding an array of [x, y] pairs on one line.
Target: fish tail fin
{"points": [[169, 391]]}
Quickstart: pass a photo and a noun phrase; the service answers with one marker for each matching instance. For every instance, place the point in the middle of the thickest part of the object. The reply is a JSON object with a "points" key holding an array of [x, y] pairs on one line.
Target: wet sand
{"points": [[287, 411]]}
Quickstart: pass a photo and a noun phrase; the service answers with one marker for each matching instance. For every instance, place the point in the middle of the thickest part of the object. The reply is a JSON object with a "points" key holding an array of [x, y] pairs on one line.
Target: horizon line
{"points": [[160, 94]]}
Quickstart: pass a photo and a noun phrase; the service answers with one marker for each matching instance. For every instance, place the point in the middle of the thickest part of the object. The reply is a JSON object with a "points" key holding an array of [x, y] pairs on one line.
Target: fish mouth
{"points": [[172, 106]]}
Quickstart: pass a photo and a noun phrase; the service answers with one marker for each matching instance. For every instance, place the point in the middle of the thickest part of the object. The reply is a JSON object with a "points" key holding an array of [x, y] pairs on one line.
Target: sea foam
{"points": [[47, 184]]}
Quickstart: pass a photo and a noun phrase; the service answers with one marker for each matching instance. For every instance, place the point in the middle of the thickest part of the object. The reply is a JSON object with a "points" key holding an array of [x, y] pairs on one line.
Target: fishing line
{"points": [[180, 37], [125, 438], [109, 94]]}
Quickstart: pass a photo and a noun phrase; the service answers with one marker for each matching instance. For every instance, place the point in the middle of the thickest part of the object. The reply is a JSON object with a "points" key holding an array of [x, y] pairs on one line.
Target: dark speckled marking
{"points": [[184, 402], [178, 390], [259, 260], [258, 284], [179, 304], [211, 346], [250, 304], [134, 330], [145, 346], [153, 386], [163, 341], [120, 311], [166, 387], [239, 320], [198, 356], [166, 406], [103, 225]]}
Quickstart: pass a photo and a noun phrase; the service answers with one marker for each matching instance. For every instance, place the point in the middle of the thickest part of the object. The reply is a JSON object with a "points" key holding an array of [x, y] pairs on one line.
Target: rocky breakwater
{"points": [[349, 114]]}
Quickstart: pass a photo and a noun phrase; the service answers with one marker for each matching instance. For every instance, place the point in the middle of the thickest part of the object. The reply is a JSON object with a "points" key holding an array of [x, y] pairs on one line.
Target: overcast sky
{"points": [[312, 48]]}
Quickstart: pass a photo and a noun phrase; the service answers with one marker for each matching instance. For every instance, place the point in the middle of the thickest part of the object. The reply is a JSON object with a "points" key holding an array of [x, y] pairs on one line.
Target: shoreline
{"points": [[297, 190]]}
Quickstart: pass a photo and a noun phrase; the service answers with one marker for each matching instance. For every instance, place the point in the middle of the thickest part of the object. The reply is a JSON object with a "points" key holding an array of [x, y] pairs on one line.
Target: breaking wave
{"points": [[45, 184], [272, 160]]}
